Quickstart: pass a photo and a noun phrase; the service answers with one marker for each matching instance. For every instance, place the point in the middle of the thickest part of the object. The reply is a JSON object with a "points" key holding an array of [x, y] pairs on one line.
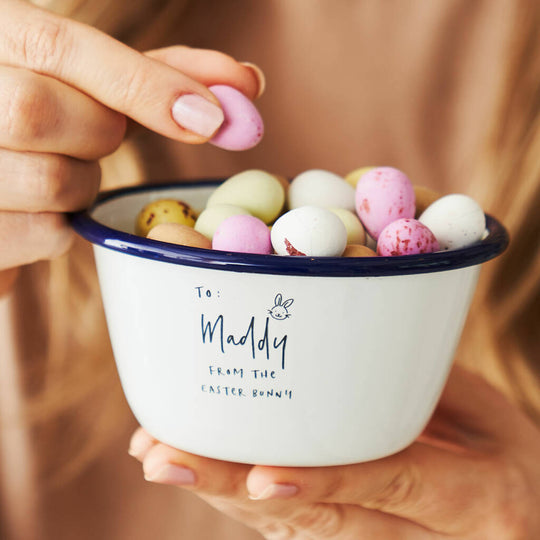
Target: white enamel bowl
{"points": [[277, 360]]}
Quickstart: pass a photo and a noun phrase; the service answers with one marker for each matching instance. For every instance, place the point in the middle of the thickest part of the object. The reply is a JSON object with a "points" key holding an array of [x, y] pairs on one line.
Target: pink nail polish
{"points": [[174, 475], [196, 114], [140, 444], [275, 491]]}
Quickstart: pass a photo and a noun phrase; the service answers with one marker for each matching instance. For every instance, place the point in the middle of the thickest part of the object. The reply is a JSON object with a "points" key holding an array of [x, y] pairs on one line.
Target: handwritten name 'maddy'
{"points": [[264, 345]]}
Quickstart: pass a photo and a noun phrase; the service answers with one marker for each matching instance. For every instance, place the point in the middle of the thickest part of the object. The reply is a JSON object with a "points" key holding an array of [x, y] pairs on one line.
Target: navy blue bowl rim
{"points": [[97, 233]]}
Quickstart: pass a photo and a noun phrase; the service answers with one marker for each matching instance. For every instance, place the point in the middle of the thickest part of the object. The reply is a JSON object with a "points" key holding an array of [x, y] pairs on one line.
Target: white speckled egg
{"points": [[210, 218], [320, 188], [310, 231], [259, 192], [456, 221]]}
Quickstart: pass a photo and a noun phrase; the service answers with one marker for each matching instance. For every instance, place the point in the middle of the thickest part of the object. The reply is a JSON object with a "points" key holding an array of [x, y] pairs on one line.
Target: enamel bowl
{"points": [[293, 361]]}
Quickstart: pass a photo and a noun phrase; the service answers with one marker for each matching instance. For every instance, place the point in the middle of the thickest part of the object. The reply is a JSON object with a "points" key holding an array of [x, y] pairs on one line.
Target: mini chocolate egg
{"points": [[424, 197], [357, 250], [320, 188], [210, 218], [310, 231], [353, 177], [175, 233], [164, 211], [406, 237], [355, 230], [259, 192], [456, 221], [243, 234], [243, 126], [383, 195]]}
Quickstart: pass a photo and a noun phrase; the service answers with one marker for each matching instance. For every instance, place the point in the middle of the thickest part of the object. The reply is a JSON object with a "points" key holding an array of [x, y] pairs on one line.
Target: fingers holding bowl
{"points": [[29, 237], [37, 182], [426, 485], [35, 190], [165, 465], [225, 486]]}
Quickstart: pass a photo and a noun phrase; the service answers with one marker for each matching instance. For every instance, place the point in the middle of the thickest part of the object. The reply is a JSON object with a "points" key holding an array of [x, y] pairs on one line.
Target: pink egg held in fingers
{"points": [[243, 126], [243, 234], [406, 237], [383, 195]]}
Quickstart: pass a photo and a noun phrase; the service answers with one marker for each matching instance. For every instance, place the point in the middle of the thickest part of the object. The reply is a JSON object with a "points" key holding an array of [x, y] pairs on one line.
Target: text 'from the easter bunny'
{"points": [[243, 355]]}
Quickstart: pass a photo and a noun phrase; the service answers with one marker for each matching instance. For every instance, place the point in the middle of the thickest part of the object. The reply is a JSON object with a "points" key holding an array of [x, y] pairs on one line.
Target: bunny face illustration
{"points": [[280, 310]]}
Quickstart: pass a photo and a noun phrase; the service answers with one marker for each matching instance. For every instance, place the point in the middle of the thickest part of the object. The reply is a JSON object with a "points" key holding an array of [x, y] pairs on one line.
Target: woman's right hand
{"points": [[66, 90]]}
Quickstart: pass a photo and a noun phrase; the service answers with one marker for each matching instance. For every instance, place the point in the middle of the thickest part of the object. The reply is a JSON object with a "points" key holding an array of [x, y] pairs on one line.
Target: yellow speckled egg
{"points": [[356, 250], [355, 230], [355, 175], [164, 211], [259, 192], [176, 233], [210, 218]]}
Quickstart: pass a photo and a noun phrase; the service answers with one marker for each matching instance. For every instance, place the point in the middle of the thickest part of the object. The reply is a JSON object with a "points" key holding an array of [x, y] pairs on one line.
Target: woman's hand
{"points": [[65, 92], [473, 474]]}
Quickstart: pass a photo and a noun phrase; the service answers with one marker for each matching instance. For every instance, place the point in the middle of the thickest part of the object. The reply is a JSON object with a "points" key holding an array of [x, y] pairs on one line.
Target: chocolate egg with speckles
{"points": [[383, 195], [309, 231], [164, 211]]}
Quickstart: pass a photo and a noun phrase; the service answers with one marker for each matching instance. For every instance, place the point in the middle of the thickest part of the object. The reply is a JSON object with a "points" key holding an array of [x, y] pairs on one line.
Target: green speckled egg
{"points": [[210, 218], [259, 192]]}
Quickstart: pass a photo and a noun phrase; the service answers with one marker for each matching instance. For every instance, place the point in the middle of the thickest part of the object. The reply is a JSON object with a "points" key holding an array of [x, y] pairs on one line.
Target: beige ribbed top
{"points": [[351, 83]]}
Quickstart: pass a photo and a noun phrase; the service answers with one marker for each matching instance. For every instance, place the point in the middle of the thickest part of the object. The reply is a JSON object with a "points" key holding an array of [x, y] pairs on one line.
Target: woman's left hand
{"points": [[474, 474]]}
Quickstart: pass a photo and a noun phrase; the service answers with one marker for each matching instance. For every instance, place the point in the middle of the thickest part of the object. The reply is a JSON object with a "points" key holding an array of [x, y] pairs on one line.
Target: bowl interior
{"points": [[111, 221], [120, 212]]}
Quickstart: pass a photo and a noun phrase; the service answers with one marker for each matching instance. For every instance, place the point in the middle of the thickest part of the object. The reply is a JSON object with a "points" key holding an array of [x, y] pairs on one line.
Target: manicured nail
{"points": [[197, 114], [174, 475], [259, 75], [140, 444], [275, 491]]}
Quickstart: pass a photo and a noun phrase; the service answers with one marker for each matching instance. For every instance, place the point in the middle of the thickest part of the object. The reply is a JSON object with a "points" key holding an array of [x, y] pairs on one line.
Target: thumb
{"points": [[211, 67]]}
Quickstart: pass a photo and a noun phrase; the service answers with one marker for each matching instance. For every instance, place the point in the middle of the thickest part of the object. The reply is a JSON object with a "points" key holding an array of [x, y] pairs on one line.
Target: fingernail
{"points": [[140, 444], [174, 475], [275, 491], [196, 114], [259, 75]]}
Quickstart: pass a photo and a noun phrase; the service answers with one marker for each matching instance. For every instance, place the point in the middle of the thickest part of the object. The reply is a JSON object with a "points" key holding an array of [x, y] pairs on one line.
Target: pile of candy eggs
{"points": [[371, 211]]}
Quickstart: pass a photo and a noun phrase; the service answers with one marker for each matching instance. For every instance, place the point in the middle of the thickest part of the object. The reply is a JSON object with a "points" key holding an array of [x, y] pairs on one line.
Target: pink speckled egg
{"points": [[383, 195], [406, 237], [243, 234], [243, 126]]}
